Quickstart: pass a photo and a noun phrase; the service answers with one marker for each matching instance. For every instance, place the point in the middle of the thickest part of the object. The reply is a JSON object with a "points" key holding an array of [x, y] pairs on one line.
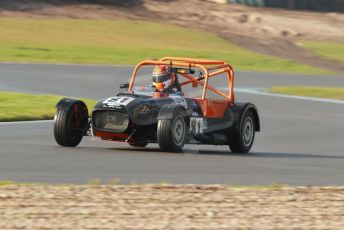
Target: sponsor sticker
{"points": [[195, 114], [197, 125], [179, 100], [117, 101]]}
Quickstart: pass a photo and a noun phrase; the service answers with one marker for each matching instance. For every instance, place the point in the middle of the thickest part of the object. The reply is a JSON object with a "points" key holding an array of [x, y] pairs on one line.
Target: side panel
{"points": [[226, 121], [213, 108]]}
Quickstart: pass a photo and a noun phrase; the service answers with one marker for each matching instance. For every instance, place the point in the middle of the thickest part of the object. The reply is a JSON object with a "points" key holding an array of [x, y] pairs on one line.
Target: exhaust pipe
{"points": [[213, 139]]}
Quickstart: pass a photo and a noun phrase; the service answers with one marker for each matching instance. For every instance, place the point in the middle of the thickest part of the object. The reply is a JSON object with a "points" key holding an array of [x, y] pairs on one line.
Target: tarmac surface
{"points": [[301, 141]]}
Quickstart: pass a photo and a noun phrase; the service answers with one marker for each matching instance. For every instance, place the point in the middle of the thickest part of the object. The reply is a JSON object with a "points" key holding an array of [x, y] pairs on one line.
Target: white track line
{"points": [[261, 91], [25, 122]]}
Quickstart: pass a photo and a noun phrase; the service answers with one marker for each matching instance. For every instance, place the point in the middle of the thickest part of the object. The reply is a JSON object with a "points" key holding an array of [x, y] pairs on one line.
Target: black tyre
{"points": [[242, 136], [172, 132], [139, 144], [71, 124]]}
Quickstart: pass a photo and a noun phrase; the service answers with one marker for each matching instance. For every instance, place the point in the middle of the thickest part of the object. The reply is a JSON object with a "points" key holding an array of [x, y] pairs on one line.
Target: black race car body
{"points": [[169, 119], [137, 117]]}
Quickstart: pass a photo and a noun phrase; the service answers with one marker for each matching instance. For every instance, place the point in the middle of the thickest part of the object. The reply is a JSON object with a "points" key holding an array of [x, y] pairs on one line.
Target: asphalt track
{"points": [[301, 143]]}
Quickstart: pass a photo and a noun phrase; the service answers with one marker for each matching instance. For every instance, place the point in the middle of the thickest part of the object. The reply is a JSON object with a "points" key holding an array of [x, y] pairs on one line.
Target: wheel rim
{"points": [[247, 134], [75, 122], [179, 131]]}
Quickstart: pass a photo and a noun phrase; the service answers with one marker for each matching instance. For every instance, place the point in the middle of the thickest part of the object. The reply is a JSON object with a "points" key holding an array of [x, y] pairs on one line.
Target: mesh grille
{"points": [[111, 120]]}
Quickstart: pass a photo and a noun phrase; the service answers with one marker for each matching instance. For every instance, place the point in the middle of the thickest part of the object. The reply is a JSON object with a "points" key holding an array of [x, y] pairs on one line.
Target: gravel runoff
{"points": [[170, 207]]}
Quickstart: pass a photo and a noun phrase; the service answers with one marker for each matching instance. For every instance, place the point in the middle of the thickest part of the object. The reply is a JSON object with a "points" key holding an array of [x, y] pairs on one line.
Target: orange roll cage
{"points": [[210, 68]]}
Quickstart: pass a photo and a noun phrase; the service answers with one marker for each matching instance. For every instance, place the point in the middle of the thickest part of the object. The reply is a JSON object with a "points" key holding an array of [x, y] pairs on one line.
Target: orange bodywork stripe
{"points": [[115, 136]]}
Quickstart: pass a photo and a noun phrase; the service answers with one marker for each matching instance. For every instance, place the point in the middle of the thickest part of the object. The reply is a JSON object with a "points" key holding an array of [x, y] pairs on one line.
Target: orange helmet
{"points": [[163, 77]]}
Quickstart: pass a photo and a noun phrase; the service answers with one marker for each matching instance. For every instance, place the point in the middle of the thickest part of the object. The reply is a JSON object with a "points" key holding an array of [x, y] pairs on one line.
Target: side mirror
{"points": [[124, 86]]}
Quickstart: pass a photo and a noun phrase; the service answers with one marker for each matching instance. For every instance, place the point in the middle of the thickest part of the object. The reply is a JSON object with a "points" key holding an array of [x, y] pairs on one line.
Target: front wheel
{"points": [[242, 137], [172, 132], [71, 124]]}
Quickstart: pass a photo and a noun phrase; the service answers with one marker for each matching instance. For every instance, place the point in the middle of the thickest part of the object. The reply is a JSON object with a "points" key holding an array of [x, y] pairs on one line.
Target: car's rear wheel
{"points": [[172, 132], [71, 124], [139, 144], [242, 137]]}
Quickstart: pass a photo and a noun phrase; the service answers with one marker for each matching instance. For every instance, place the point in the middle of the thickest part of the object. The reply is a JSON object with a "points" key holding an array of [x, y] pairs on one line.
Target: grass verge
{"points": [[329, 50], [124, 42], [24, 107], [6, 182], [311, 91]]}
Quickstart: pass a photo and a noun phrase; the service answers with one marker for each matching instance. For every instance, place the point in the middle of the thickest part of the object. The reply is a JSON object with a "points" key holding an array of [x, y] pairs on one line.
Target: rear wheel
{"points": [[71, 124], [172, 132], [242, 137]]}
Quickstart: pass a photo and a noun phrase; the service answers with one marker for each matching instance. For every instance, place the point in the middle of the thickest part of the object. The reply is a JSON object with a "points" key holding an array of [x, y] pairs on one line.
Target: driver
{"points": [[165, 80]]}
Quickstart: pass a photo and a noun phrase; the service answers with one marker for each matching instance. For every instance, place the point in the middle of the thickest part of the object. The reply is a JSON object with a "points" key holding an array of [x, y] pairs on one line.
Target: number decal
{"points": [[118, 101], [197, 125]]}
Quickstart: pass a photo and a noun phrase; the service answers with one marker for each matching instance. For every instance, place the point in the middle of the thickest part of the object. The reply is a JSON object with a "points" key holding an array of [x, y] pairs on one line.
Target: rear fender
{"points": [[240, 108]]}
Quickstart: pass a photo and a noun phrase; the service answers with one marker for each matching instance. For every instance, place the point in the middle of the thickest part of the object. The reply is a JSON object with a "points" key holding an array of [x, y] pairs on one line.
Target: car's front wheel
{"points": [[71, 124], [171, 133]]}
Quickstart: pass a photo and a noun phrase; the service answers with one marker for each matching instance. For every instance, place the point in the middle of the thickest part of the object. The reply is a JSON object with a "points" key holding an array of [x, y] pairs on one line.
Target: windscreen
{"points": [[143, 84]]}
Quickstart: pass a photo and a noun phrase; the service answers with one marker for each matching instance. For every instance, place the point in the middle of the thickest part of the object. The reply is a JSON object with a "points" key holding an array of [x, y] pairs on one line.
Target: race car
{"points": [[176, 106]]}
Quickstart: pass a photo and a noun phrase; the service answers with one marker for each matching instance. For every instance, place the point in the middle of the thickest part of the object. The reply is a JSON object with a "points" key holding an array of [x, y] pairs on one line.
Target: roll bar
{"points": [[210, 69]]}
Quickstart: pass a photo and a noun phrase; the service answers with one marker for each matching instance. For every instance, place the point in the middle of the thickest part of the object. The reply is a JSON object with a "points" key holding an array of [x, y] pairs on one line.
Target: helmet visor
{"points": [[161, 78]]}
